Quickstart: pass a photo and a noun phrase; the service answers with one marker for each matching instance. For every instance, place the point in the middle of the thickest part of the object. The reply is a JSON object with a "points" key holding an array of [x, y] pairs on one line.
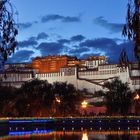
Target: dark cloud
{"points": [[51, 18], [100, 42], [33, 38], [71, 19], [25, 25], [77, 38], [64, 41], [54, 17], [42, 36], [112, 27], [21, 56], [50, 48], [109, 47], [79, 50], [30, 42]]}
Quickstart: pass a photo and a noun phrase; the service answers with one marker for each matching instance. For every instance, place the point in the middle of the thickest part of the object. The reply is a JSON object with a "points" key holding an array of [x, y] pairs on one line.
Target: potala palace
{"points": [[90, 73]]}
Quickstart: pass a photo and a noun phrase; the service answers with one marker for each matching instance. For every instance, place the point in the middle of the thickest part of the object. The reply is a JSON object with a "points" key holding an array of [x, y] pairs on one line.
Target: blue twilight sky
{"points": [[74, 27]]}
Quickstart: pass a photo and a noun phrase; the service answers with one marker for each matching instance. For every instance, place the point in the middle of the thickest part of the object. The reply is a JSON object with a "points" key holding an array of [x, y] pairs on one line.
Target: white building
{"points": [[83, 76]]}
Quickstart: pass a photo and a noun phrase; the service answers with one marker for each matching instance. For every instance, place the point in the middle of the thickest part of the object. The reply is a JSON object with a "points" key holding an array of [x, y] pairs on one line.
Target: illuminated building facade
{"points": [[90, 73], [53, 63]]}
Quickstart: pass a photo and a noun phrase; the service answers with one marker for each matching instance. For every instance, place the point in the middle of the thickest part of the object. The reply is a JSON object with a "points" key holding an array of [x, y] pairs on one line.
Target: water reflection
{"points": [[85, 135]]}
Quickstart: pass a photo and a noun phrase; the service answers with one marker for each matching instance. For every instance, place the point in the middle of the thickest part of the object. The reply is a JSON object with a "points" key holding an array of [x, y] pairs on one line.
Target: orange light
{"points": [[84, 104], [57, 100], [137, 97], [84, 136]]}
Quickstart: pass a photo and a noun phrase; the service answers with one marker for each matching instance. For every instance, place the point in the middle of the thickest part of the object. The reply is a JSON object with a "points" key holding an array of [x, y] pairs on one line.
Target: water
{"points": [[73, 135], [71, 129]]}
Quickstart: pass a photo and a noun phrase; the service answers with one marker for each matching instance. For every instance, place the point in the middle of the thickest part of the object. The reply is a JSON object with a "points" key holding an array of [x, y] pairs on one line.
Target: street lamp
{"points": [[57, 99], [136, 103], [137, 97], [57, 102], [84, 106]]}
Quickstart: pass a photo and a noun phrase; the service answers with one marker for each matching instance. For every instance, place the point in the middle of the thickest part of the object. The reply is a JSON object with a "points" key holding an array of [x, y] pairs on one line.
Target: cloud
{"points": [[71, 19], [42, 36], [109, 47], [77, 38], [55, 17], [79, 50], [25, 25], [81, 47], [26, 43], [32, 41], [112, 27], [50, 48], [64, 41], [21, 56], [99, 42]]}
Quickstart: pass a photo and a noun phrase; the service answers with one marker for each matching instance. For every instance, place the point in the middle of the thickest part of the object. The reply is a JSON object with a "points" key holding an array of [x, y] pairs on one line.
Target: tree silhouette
{"points": [[132, 27], [39, 98], [69, 98], [8, 30], [118, 97]]}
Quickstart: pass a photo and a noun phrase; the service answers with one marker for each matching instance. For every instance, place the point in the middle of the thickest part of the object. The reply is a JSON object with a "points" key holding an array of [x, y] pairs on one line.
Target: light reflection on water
{"points": [[85, 135]]}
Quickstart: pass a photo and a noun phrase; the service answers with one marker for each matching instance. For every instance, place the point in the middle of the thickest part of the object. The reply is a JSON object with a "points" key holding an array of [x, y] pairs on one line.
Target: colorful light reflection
{"points": [[30, 132]]}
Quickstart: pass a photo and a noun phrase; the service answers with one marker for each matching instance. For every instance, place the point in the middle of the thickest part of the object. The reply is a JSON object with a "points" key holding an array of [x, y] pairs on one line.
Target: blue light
{"points": [[30, 132], [28, 121], [19, 121], [41, 120]]}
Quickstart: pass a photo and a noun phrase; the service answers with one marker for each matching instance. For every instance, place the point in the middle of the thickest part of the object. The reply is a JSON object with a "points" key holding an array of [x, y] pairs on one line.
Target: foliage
{"points": [[132, 27], [8, 30], [68, 96], [118, 97], [39, 98], [7, 95]]}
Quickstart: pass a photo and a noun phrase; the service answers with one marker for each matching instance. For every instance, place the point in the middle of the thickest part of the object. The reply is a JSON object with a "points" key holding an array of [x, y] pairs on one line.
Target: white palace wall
{"points": [[91, 79]]}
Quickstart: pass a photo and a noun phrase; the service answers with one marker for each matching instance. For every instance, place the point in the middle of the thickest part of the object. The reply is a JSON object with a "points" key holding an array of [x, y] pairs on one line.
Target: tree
{"points": [[8, 30], [118, 97], [69, 98], [132, 27], [36, 96], [39, 98], [7, 96]]}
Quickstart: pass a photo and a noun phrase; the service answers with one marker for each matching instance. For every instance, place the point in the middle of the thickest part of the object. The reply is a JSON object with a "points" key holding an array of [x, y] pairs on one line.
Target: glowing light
{"points": [[57, 100], [30, 132], [137, 97], [84, 136], [84, 104]]}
